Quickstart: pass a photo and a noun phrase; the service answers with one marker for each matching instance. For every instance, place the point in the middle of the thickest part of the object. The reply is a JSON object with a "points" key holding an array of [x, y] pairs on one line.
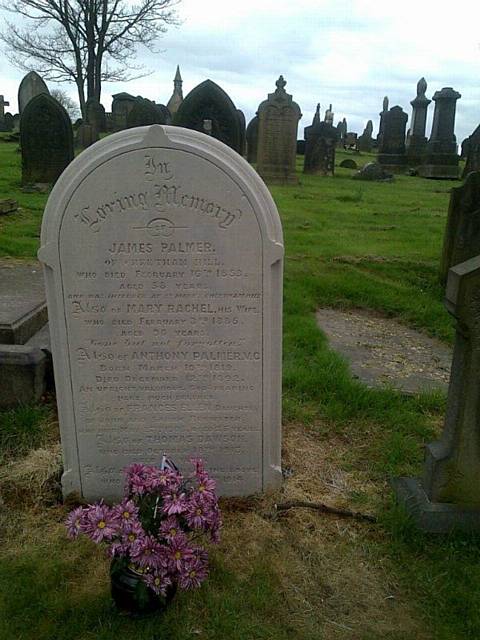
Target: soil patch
{"points": [[382, 352]]}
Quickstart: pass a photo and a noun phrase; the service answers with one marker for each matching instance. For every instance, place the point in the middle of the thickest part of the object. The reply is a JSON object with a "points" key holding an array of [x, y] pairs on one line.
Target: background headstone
{"points": [[252, 139], [31, 86], [391, 151], [144, 113], [471, 153], [381, 123], [96, 115], [320, 144], [46, 139], [365, 141], [122, 104], [416, 140], [447, 496], [208, 101], [441, 160], [278, 118], [86, 135], [163, 262], [462, 232], [3, 124]]}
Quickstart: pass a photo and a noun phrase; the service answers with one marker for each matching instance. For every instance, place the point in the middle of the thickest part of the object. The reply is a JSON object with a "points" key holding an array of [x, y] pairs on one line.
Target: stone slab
{"points": [[382, 352], [23, 375], [23, 309], [8, 206], [163, 260], [433, 517]]}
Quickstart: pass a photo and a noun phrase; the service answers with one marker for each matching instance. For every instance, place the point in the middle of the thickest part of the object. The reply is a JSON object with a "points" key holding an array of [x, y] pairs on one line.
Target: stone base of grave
{"points": [[279, 179], [395, 163], [439, 171], [433, 517], [23, 373]]}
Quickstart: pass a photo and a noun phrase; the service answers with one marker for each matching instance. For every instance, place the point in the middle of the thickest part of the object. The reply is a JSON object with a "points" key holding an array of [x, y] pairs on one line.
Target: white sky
{"points": [[346, 52]]}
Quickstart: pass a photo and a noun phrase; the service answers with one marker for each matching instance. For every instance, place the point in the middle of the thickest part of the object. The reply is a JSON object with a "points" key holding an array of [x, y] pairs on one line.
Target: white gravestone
{"points": [[163, 261]]}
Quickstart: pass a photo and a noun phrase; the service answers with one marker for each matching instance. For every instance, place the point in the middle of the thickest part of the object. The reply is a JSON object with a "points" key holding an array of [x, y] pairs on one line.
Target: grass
{"points": [[297, 575]]}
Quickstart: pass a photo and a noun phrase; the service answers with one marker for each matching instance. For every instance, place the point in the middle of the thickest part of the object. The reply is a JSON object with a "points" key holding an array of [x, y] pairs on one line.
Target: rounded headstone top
{"points": [[32, 85], [385, 103]]}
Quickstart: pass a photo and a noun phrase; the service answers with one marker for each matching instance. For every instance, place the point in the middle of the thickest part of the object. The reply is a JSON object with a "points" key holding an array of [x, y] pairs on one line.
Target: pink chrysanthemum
{"points": [[174, 503], [158, 581], [99, 524], [179, 553], [170, 529], [148, 553], [74, 523], [126, 511], [193, 574], [198, 515]]}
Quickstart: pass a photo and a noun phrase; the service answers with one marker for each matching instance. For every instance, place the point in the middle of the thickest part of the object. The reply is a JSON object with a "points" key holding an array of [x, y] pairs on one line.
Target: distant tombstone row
{"points": [[435, 158]]}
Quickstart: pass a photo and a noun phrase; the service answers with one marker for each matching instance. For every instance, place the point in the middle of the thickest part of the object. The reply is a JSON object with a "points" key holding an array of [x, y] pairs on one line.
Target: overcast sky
{"points": [[349, 53]]}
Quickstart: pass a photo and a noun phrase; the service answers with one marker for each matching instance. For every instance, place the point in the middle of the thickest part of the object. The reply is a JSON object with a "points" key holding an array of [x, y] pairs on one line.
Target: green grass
{"points": [[348, 245]]}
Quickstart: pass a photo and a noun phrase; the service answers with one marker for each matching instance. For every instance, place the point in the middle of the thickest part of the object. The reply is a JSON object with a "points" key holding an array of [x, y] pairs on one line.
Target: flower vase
{"points": [[131, 594]]}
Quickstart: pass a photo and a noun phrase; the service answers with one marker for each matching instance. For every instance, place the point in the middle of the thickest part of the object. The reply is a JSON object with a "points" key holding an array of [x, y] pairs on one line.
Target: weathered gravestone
{"points": [[252, 139], [243, 133], [122, 104], [145, 113], [208, 101], [391, 151], [342, 129], [163, 262], [448, 496], [471, 152], [9, 121], [3, 124], [416, 140], [441, 159], [365, 141], [320, 144], [462, 233], [348, 163], [278, 118], [31, 86], [46, 138], [96, 118], [86, 135], [381, 123]]}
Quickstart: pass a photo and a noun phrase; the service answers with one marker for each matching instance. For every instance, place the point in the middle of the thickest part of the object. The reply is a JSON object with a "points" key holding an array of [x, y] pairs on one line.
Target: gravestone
{"points": [[208, 101], [95, 113], [46, 139], [3, 124], [342, 129], [144, 113], [320, 144], [416, 140], [350, 140], [31, 86], [462, 233], [391, 152], [381, 123], [464, 147], [471, 153], [329, 116], [441, 159], [243, 132], [365, 141], [348, 163], [447, 497], [86, 135], [278, 118], [252, 139], [122, 104], [9, 121], [163, 263]]}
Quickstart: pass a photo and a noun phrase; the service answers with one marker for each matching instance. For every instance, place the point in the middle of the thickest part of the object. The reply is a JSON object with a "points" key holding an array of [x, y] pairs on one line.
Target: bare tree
{"points": [[70, 106], [84, 41]]}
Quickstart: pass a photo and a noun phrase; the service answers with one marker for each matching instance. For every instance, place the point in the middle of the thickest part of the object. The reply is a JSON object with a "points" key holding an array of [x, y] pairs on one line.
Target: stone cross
{"points": [[3, 104], [416, 140], [448, 497]]}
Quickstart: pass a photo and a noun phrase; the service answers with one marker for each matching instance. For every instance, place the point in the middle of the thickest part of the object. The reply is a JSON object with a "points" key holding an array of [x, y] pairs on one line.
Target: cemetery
{"points": [[295, 312]]}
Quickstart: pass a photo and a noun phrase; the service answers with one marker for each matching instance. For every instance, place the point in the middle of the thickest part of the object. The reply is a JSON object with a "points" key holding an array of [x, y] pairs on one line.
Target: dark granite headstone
{"points": [[252, 139], [441, 160], [122, 104], [31, 86], [462, 232], [464, 148], [365, 141], [300, 147], [278, 118], [320, 144], [243, 132], [46, 139], [381, 124], [9, 122], [95, 115], [416, 140], [447, 497], [342, 132], [86, 135], [471, 149], [144, 113], [391, 152], [208, 101]]}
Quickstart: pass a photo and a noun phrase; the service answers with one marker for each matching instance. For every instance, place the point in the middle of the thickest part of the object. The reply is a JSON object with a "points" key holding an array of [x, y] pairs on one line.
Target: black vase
{"points": [[131, 594]]}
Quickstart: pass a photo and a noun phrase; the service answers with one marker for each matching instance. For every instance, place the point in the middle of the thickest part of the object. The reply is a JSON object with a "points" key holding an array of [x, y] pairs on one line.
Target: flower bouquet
{"points": [[155, 535]]}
